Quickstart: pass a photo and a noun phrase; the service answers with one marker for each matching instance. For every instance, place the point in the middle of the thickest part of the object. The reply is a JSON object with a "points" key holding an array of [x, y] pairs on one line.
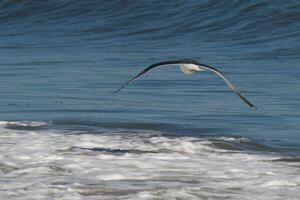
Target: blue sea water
{"points": [[61, 61]]}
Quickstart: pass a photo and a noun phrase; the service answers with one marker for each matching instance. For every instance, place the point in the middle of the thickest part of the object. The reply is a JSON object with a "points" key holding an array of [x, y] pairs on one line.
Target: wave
{"points": [[144, 130], [76, 163], [237, 22]]}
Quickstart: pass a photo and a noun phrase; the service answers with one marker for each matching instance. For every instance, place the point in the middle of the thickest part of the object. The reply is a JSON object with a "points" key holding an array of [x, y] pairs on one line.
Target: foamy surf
{"points": [[58, 164]]}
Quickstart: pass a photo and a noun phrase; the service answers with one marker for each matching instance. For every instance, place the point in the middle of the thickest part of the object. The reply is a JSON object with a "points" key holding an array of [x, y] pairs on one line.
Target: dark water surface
{"points": [[61, 60]]}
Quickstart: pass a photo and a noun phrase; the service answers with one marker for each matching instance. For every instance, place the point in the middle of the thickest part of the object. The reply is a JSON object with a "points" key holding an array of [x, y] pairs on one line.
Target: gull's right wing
{"points": [[230, 85]]}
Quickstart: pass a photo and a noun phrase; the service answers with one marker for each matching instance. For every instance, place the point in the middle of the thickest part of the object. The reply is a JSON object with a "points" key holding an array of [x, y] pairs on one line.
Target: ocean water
{"points": [[64, 135]]}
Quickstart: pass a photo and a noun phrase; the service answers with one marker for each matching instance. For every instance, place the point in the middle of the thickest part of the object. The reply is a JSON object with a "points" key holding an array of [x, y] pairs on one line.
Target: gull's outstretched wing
{"points": [[190, 61], [170, 62], [220, 74]]}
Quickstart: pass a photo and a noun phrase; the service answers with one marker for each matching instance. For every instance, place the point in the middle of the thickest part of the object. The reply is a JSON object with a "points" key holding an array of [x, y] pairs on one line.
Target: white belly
{"points": [[189, 68]]}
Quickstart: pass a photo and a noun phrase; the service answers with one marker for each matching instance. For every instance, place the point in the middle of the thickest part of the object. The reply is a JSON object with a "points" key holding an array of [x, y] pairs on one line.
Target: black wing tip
{"points": [[250, 104], [245, 100], [117, 91], [254, 108]]}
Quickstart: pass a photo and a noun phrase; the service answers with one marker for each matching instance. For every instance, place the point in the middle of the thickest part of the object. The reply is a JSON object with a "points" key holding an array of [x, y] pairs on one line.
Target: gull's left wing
{"points": [[170, 62]]}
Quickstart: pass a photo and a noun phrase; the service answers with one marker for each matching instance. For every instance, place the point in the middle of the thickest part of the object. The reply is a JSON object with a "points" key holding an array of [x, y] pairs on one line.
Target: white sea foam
{"points": [[23, 123], [50, 164]]}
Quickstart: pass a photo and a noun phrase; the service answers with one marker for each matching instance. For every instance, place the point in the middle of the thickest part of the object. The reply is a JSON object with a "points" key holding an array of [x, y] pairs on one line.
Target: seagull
{"points": [[188, 67]]}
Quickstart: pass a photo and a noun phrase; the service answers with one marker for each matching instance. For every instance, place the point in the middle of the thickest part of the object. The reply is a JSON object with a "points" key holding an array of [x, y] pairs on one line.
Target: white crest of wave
{"points": [[23, 123], [68, 165]]}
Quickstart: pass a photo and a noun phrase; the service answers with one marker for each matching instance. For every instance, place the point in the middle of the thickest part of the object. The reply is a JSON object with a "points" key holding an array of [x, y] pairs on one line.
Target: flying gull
{"points": [[189, 66]]}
